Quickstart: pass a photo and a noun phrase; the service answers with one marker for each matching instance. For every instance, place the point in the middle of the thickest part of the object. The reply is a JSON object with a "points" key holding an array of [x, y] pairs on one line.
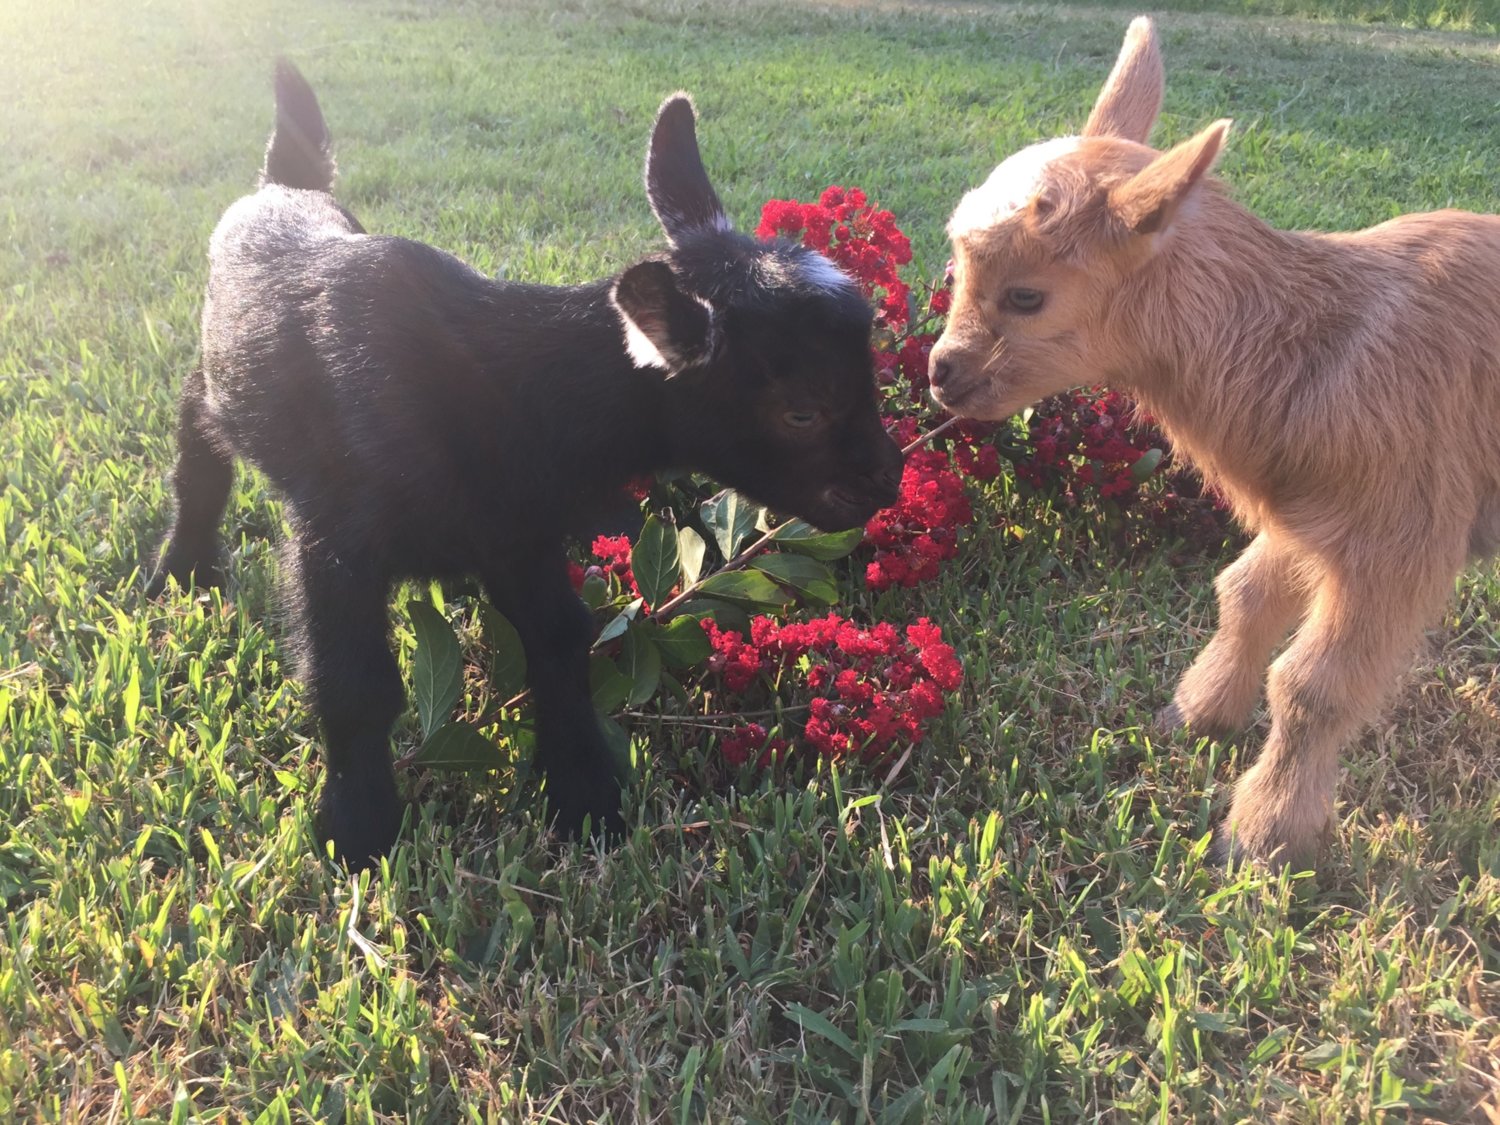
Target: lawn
{"points": [[1022, 925]]}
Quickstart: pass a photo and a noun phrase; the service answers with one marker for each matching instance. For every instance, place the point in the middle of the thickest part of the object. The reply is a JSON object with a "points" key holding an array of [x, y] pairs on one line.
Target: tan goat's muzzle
{"points": [[956, 376]]}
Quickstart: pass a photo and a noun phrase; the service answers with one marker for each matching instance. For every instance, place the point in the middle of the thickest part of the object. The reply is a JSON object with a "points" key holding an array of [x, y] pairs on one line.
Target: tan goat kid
{"points": [[1342, 390]]}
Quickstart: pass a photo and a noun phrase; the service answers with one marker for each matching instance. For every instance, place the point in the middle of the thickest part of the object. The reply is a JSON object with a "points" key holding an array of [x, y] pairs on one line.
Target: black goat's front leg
{"points": [[339, 612], [556, 629]]}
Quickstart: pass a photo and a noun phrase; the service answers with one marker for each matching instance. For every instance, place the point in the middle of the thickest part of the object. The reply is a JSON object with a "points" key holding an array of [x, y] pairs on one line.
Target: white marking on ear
{"points": [[711, 333], [668, 355], [1010, 187], [643, 353]]}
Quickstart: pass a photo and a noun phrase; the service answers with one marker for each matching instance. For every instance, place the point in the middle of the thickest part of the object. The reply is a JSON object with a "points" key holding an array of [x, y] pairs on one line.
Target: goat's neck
{"points": [[1230, 325], [571, 382]]}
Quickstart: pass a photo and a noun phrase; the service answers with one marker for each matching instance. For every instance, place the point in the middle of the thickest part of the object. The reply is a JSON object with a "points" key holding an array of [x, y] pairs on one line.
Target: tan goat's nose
{"points": [[939, 371]]}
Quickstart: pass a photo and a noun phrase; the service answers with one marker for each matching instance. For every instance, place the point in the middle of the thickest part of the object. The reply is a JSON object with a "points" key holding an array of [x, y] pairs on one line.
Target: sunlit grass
{"points": [[1022, 925]]}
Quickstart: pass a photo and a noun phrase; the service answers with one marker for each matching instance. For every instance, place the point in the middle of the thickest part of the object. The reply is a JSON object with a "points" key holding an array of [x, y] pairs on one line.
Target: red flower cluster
{"points": [[615, 551], [1095, 439], [921, 530], [876, 687], [749, 741], [852, 232], [1087, 437], [911, 362], [912, 538], [977, 459]]}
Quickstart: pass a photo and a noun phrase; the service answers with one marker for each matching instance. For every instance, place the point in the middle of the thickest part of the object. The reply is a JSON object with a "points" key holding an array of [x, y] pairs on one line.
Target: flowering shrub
{"points": [[875, 688], [1097, 442], [920, 532], [707, 589], [859, 237], [1086, 438], [912, 538]]}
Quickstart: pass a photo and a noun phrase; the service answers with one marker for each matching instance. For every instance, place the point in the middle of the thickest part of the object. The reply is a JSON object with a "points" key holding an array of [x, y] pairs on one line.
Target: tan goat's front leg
{"points": [[1260, 598], [1358, 638]]}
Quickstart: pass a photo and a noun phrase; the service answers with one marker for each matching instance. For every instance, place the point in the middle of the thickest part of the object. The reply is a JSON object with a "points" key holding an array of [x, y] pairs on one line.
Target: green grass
{"points": [[1480, 16], [1021, 926]]}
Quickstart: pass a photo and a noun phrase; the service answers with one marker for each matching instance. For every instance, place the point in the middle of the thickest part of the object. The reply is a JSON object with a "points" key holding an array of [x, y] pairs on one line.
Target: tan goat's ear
{"points": [[1146, 202], [1131, 98], [1043, 207]]}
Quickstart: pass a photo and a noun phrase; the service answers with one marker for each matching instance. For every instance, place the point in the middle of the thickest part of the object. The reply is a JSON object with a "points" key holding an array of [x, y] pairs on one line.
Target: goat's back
{"points": [[1440, 338]]}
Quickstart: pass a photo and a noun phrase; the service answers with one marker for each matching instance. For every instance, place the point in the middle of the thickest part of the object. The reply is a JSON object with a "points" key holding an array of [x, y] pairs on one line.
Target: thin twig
{"points": [[465, 873], [717, 718], [939, 431]]}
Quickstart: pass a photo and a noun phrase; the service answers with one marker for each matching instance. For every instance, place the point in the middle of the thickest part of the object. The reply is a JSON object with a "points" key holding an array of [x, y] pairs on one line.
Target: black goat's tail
{"points": [[299, 154]]}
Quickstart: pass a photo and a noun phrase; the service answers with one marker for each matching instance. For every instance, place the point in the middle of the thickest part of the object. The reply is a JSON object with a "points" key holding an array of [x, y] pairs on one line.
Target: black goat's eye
{"points": [[801, 419], [1024, 300]]}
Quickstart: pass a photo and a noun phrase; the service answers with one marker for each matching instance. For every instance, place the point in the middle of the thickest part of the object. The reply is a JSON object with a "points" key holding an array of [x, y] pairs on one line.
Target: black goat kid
{"points": [[423, 420]]}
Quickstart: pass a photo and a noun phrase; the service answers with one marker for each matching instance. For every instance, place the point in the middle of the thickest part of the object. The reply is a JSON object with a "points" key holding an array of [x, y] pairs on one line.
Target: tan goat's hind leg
{"points": [[1345, 659], [1258, 602]]}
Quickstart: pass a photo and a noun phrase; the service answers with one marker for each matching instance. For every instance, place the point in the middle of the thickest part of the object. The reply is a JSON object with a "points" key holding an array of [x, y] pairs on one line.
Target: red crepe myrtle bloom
{"points": [[876, 687], [862, 239], [920, 531]]}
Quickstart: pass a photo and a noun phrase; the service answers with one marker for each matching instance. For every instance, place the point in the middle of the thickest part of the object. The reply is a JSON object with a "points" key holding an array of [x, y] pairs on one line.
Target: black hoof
{"points": [[596, 800], [361, 816], [202, 569]]}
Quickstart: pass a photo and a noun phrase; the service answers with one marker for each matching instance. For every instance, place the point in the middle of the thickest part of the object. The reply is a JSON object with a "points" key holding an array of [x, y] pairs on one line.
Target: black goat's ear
{"points": [[676, 184], [664, 327]]}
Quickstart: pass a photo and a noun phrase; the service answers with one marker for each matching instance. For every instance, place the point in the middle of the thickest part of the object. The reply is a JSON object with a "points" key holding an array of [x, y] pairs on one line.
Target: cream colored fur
{"points": [[1342, 390]]}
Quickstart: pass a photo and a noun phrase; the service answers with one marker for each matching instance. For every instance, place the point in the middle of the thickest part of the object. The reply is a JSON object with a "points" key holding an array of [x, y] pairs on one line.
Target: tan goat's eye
{"points": [[1024, 300], [801, 419]]}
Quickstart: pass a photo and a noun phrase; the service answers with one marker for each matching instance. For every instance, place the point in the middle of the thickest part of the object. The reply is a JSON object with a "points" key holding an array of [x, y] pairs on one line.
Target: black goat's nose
{"points": [[939, 372], [890, 477]]}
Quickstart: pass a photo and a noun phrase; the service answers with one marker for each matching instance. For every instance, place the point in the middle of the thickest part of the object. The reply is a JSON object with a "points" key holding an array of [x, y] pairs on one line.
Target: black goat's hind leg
{"points": [[556, 629], [201, 481], [346, 662]]}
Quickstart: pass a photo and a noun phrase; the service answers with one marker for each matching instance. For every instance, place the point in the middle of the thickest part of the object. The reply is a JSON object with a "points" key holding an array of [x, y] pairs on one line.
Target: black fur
{"points": [[300, 152], [424, 420]]}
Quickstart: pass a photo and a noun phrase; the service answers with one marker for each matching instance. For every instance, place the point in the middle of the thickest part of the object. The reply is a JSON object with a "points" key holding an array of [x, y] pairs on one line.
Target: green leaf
{"points": [[133, 698], [609, 688], [1271, 1045], [731, 518], [818, 1025], [682, 642], [690, 549], [807, 576], [641, 662], [1450, 1009], [593, 591], [925, 1025], [617, 738], [1145, 465], [653, 561], [686, 1079], [1322, 1056], [620, 622], [458, 746], [507, 654], [899, 1111], [805, 539], [727, 615], [438, 672], [1205, 1020], [747, 587]]}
